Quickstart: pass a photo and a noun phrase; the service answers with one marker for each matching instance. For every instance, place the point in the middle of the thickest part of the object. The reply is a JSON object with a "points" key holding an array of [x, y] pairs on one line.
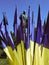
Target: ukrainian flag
{"points": [[4, 46], [38, 42], [11, 52], [22, 44], [19, 46], [6, 50], [32, 39], [12, 48], [45, 54], [8, 43], [17, 33]]}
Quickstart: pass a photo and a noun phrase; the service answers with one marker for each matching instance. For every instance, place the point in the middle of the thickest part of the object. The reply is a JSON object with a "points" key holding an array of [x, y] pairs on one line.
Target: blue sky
{"points": [[8, 6]]}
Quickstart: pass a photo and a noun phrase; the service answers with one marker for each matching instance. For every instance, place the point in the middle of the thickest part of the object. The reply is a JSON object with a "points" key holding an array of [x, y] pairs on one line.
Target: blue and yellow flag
{"points": [[10, 44], [19, 44], [38, 41], [6, 50], [45, 54], [32, 38], [18, 36]]}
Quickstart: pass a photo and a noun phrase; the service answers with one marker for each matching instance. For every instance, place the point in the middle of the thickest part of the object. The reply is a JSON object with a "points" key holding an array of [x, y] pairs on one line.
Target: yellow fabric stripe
{"points": [[19, 51], [14, 56], [27, 53], [31, 50], [45, 56], [7, 53], [37, 57], [23, 52]]}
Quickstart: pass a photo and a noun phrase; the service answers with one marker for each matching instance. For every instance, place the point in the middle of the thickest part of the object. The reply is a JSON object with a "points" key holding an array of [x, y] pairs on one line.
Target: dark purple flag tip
{"points": [[0, 26], [5, 22]]}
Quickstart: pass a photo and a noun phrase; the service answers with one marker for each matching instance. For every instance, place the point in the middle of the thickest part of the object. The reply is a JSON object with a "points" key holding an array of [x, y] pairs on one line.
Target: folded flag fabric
{"points": [[45, 56], [38, 41], [32, 38], [27, 44], [6, 51]]}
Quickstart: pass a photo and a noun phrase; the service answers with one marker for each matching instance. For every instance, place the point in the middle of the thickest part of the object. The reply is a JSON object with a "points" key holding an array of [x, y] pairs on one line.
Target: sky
{"points": [[9, 6]]}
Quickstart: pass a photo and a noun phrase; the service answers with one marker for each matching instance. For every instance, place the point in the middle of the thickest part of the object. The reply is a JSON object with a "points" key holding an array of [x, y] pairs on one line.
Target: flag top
{"points": [[39, 29]]}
